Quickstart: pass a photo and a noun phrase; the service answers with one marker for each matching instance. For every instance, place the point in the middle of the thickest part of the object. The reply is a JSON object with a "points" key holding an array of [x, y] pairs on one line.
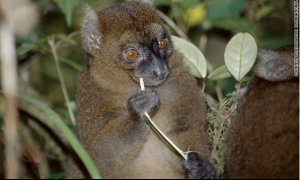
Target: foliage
{"points": [[240, 55], [67, 7], [219, 73], [219, 117], [84, 156], [193, 57], [207, 23]]}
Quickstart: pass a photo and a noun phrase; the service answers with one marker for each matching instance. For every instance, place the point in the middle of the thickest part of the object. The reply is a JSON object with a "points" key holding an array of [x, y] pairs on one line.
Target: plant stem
{"points": [[9, 84], [61, 78], [36, 168], [182, 154], [213, 154], [223, 118], [219, 92], [74, 142], [239, 87], [146, 116], [203, 84]]}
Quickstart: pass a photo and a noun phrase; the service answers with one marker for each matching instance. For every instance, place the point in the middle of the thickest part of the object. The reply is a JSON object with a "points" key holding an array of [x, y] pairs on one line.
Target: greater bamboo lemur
{"points": [[263, 139], [124, 43]]}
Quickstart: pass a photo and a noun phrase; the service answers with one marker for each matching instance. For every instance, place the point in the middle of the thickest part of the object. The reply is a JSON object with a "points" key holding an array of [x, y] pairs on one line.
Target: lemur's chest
{"points": [[156, 159]]}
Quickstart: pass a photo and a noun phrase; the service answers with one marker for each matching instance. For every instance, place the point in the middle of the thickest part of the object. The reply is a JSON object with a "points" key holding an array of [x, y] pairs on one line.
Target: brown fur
{"points": [[120, 146], [263, 139]]}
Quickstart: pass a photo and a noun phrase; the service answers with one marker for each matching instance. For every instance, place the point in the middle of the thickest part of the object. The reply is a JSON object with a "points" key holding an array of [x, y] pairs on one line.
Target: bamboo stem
{"points": [[146, 116], [9, 84]]}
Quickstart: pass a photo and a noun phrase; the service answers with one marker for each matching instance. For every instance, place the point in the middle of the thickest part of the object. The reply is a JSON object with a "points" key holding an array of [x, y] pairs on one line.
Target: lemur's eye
{"points": [[162, 43], [131, 55]]}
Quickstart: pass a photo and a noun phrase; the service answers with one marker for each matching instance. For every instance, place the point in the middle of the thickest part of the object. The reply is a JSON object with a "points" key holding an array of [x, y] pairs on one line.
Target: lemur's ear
{"points": [[274, 65], [91, 35]]}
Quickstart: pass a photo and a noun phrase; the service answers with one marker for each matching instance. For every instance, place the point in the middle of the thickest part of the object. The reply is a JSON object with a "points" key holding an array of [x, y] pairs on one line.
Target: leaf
{"points": [[59, 175], [194, 15], [25, 47], [67, 7], [271, 42], [193, 57], [264, 11], [219, 73], [65, 38], [220, 9], [246, 79], [234, 24], [84, 156], [240, 55], [71, 63]]}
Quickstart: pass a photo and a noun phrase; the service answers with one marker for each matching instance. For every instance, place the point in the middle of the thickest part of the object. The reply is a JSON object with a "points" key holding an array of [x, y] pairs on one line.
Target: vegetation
{"points": [[49, 55]]}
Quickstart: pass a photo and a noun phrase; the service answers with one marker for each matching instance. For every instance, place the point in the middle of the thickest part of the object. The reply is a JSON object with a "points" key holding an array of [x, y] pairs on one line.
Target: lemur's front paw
{"points": [[197, 168], [147, 101]]}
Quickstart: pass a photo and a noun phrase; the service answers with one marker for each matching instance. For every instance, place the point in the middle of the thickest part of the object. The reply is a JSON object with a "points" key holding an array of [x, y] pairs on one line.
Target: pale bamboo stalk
{"points": [[146, 116], [9, 84]]}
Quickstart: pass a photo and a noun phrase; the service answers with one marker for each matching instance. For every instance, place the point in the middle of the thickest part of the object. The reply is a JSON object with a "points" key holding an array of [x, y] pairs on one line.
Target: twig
{"points": [[209, 103], [219, 92], [223, 118], [75, 33], [239, 87], [203, 84], [61, 78], [36, 167]]}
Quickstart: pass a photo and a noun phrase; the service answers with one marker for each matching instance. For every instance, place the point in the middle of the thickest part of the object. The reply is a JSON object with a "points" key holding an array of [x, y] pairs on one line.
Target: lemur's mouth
{"points": [[150, 82]]}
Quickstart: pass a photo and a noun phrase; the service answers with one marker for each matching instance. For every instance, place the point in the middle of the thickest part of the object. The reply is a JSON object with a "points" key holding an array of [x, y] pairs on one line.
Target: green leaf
{"points": [[67, 7], [193, 57], [219, 73], [234, 24], [224, 8], [65, 38], [246, 79], [275, 42], [240, 55], [264, 11], [84, 156], [24, 40], [25, 47], [71, 63], [59, 175]]}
